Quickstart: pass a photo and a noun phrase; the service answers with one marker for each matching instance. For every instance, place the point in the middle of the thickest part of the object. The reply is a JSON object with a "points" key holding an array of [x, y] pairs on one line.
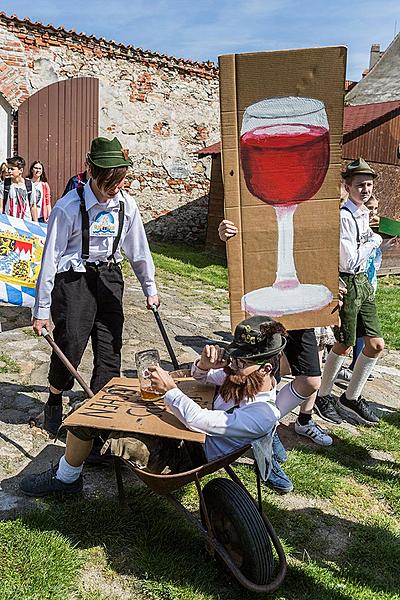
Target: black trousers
{"points": [[88, 305]]}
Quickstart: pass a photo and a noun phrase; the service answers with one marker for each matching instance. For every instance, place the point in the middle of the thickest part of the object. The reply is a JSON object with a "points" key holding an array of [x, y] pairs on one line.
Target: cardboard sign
{"points": [[281, 118], [118, 406]]}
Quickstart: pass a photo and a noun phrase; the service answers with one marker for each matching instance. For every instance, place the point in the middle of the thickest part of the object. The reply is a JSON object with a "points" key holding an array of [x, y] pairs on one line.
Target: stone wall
{"points": [[162, 108]]}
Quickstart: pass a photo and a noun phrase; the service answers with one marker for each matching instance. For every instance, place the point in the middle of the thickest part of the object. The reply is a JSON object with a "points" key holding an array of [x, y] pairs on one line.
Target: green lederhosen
{"points": [[358, 316]]}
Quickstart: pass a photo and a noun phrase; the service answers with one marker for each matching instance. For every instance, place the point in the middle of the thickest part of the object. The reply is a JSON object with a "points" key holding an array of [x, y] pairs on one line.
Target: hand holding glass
{"points": [[144, 360]]}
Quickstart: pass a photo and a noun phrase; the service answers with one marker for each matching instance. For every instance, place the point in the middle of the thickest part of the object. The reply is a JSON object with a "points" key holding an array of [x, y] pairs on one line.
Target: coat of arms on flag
{"points": [[21, 248]]}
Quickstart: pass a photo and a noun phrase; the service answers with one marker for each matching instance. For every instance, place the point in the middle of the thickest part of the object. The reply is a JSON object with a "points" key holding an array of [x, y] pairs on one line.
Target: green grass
{"points": [[36, 563], [388, 303], [340, 529], [10, 365]]}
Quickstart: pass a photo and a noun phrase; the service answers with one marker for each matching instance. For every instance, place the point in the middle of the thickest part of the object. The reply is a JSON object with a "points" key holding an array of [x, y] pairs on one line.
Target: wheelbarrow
{"points": [[232, 522]]}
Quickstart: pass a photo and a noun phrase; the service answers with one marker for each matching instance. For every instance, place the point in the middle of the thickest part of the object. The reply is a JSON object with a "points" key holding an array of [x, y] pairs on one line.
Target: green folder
{"points": [[389, 226]]}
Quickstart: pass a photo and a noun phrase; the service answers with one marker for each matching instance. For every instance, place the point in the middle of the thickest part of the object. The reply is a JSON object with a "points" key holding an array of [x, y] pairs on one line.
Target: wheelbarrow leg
{"points": [[120, 483]]}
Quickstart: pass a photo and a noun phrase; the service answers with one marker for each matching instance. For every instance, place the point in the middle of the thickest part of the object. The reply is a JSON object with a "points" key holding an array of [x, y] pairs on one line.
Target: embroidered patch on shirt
{"points": [[104, 225]]}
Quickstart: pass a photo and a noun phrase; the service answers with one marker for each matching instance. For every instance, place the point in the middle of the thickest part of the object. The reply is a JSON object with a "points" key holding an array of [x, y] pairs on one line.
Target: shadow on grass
{"points": [[330, 557]]}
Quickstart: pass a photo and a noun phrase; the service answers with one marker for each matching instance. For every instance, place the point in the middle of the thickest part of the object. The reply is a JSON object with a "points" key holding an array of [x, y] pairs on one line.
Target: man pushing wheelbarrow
{"points": [[80, 282]]}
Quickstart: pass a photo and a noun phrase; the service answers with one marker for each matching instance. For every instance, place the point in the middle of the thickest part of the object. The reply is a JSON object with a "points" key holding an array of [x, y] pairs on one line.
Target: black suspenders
{"points": [[85, 227], [357, 229]]}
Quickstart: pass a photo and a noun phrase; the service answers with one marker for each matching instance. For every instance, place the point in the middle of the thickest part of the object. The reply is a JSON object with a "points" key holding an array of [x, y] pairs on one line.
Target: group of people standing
{"points": [[22, 197], [81, 285]]}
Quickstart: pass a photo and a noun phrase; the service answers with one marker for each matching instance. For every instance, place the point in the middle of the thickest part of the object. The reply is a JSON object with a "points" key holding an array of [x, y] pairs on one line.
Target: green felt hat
{"points": [[108, 154], [358, 167], [257, 338]]}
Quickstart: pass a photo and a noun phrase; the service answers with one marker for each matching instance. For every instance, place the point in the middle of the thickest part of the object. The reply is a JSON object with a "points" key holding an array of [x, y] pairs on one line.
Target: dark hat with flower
{"points": [[358, 167], [108, 154], [257, 338]]}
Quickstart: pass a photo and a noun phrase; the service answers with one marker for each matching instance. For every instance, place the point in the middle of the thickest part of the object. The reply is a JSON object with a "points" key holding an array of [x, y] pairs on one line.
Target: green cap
{"points": [[257, 338], [358, 167], [108, 154]]}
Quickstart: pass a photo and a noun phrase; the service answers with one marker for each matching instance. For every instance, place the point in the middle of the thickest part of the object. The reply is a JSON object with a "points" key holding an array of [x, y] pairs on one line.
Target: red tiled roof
{"points": [[209, 65], [354, 118], [210, 150], [361, 114]]}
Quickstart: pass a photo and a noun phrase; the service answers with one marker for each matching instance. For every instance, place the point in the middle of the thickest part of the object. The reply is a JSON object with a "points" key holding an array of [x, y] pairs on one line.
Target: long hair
{"points": [[3, 170], [237, 387], [43, 176]]}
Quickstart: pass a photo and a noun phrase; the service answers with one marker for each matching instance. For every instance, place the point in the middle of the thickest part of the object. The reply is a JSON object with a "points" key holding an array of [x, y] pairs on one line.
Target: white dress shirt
{"points": [[63, 247], [354, 258], [225, 432]]}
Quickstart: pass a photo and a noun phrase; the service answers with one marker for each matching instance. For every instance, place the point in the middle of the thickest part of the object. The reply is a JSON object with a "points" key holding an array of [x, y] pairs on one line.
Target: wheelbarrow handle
{"points": [[67, 363], [165, 336]]}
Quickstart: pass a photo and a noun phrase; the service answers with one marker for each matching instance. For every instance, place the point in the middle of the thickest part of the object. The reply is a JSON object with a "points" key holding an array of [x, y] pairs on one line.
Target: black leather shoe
{"points": [[46, 483], [359, 409], [325, 407]]}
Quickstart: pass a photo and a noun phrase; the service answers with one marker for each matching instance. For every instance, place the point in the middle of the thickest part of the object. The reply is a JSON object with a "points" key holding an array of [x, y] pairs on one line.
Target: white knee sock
{"points": [[287, 399], [332, 367], [362, 370], [66, 473]]}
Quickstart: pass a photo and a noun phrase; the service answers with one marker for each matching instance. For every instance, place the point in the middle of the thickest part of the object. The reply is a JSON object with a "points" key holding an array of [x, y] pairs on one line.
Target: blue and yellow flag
{"points": [[21, 248]]}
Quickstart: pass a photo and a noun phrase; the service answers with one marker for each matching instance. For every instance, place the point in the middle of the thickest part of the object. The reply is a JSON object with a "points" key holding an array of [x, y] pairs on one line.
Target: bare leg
{"points": [[77, 451]]}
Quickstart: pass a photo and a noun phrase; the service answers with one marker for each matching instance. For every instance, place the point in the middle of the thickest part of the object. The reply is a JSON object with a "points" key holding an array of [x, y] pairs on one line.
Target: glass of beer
{"points": [[144, 360]]}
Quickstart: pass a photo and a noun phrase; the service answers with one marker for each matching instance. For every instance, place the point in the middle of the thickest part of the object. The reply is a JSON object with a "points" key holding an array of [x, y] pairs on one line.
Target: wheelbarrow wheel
{"points": [[239, 527]]}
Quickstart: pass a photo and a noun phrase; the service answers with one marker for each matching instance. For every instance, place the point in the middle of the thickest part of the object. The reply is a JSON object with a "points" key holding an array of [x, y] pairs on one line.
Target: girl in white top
{"points": [[41, 191]]}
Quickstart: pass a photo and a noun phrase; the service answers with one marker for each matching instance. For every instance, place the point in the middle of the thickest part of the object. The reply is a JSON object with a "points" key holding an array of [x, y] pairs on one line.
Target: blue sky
{"points": [[203, 29]]}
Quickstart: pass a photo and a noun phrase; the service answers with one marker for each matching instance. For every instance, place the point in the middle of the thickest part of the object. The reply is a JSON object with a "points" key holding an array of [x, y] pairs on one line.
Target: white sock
{"points": [[66, 473], [333, 364], [362, 369], [287, 399]]}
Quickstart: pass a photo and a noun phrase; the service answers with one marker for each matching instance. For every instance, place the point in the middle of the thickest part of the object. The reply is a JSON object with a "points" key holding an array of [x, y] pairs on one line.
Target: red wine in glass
{"points": [[284, 148], [285, 164]]}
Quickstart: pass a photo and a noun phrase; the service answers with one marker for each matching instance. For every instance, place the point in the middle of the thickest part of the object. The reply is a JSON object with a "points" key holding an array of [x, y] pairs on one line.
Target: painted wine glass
{"points": [[284, 149]]}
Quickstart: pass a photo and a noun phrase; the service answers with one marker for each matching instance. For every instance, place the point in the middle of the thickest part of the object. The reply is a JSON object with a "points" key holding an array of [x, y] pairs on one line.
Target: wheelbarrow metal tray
{"points": [[165, 484]]}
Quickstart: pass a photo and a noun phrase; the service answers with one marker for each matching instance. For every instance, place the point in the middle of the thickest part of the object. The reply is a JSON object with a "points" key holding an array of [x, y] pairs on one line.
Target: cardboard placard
{"points": [[281, 118], [118, 406]]}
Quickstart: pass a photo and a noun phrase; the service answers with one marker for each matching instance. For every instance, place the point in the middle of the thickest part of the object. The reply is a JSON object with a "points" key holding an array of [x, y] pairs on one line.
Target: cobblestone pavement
{"points": [[189, 323]]}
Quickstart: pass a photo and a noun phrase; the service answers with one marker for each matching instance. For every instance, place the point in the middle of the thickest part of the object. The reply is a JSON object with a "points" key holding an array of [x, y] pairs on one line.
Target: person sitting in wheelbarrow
{"points": [[246, 409]]}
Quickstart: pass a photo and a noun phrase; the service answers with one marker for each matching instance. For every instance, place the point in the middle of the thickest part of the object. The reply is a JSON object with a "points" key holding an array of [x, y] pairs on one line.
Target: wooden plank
{"points": [[42, 139], [67, 132], [61, 175], [53, 137]]}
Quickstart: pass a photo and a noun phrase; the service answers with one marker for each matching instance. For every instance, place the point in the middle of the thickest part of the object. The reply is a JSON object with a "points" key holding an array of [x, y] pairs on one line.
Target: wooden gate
{"points": [[56, 126]]}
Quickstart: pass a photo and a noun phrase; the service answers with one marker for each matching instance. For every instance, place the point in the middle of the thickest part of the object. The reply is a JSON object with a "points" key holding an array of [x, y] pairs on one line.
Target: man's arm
{"points": [[252, 421], [350, 255], [136, 248], [34, 212], [58, 234]]}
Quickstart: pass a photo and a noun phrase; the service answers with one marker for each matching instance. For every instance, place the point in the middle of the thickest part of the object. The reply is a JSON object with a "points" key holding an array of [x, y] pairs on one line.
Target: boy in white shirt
{"points": [[16, 197], [80, 281], [358, 315]]}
